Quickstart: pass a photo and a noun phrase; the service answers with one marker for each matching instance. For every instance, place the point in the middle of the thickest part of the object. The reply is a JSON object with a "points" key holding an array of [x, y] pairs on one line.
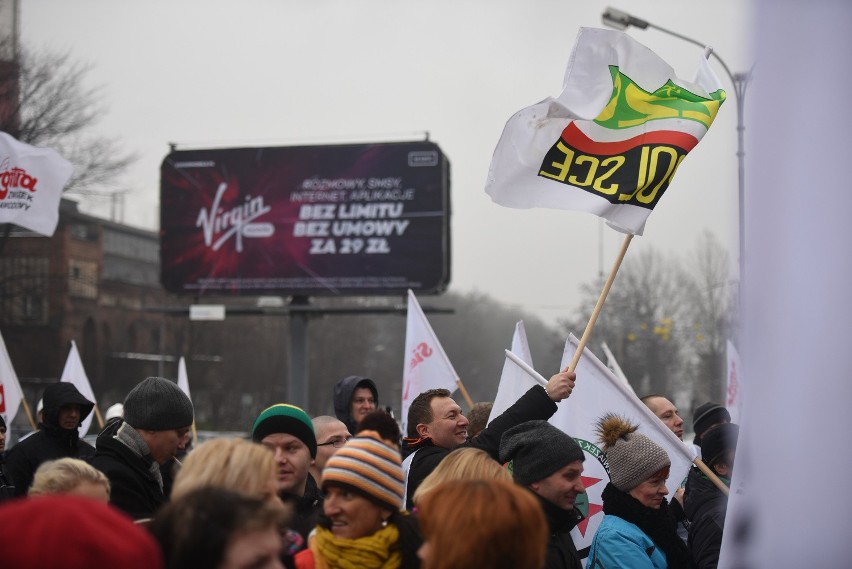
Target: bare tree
{"points": [[55, 108]]}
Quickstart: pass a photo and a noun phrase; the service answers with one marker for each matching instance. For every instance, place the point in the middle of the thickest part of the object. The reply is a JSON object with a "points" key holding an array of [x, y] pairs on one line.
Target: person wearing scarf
{"points": [[363, 525], [638, 530]]}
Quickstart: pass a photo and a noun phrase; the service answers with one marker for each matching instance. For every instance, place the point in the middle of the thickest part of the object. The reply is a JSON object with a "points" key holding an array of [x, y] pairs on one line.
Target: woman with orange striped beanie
{"points": [[364, 525]]}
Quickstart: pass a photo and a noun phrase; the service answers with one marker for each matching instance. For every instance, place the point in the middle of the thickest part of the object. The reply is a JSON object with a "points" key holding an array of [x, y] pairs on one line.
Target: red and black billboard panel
{"points": [[309, 220]]}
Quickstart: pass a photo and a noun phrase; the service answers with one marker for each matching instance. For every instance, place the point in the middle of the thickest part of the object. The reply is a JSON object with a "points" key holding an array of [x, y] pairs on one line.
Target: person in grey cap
{"points": [[130, 450], [549, 463], [637, 530]]}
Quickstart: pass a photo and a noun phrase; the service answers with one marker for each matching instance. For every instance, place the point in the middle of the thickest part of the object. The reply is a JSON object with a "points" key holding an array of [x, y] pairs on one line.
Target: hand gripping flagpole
{"points": [[596, 312]]}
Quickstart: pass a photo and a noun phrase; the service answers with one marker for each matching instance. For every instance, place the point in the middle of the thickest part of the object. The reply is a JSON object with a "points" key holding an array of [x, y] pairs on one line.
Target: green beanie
{"points": [[284, 418]]}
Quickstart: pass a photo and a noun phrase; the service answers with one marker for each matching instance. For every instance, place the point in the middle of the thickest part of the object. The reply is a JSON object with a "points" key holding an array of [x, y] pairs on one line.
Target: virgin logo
{"points": [[219, 225], [11, 178]]}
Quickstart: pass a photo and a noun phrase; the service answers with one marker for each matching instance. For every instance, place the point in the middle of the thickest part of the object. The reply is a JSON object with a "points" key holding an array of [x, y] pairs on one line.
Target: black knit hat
{"points": [[157, 404], [537, 449], [285, 418], [718, 440], [705, 416]]}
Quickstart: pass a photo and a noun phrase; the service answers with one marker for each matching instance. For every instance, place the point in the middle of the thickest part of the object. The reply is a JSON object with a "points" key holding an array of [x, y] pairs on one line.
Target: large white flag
{"points": [[514, 382], [598, 392], [612, 364], [426, 365], [183, 379], [10, 389], [31, 182], [734, 391], [76, 375], [611, 142]]}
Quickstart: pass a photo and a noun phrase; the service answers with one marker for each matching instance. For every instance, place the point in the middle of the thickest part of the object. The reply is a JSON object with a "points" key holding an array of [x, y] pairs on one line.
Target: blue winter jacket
{"points": [[619, 543]]}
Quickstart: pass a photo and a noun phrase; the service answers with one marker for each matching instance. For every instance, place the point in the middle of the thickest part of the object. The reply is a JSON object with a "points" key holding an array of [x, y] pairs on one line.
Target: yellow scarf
{"points": [[377, 551]]}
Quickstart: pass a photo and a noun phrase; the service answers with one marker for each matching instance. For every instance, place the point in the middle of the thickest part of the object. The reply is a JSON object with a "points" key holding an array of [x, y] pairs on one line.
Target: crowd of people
{"points": [[351, 491]]}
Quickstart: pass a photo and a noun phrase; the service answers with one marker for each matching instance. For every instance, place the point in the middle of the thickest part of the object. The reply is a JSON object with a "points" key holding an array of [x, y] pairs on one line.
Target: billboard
{"points": [[354, 219]]}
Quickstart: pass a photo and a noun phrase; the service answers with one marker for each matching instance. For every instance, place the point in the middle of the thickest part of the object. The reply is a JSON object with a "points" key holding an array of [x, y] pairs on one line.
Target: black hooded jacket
{"points": [[705, 506], [343, 391], [51, 441]]}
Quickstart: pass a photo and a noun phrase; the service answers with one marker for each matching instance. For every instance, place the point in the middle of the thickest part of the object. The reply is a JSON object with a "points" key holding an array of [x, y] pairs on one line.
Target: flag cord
{"points": [[596, 312], [711, 475]]}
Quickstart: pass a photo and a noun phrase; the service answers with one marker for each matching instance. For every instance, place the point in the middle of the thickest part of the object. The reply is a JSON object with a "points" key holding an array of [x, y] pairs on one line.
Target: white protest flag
{"points": [[612, 364], [598, 392], [611, 142], [183, 380], [426, 365], [31, 183], [10, 389], [76, 375], [734, 391], [514, 382]]}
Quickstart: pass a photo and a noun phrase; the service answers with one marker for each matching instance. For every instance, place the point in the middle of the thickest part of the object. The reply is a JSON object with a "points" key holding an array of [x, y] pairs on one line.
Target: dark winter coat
{"points": [[534, 404], [51, 441], [343, 391], [705, 506], [136, 487], [561, 551]]}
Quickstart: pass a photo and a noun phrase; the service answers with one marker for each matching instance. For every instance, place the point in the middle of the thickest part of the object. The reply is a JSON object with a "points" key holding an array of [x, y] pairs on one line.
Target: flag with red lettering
{"points": [[611, 142], [75, 374], [10, 390], [514, 382], [31, 183], [426, 365], [734, 390]]}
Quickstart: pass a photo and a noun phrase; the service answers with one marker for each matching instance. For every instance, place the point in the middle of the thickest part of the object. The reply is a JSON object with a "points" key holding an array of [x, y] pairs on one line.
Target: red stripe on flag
{"points": [[575, 138]]}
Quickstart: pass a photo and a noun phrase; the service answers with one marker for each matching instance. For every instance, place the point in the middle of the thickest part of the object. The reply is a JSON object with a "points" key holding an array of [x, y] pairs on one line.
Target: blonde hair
{"points": [[462, 464], [64, 475], [235, 464]]}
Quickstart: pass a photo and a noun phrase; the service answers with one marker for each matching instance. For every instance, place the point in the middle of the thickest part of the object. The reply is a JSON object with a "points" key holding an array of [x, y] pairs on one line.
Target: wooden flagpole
{"points": [[99, 417], [464, 393], [596, 312], [27, 410], [714, 478]]}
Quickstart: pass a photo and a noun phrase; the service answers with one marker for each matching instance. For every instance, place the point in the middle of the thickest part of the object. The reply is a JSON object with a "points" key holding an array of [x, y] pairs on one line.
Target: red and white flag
{"points": [[76, 375], [31, 183], [426, 365], [10, 389], [514, 382]]}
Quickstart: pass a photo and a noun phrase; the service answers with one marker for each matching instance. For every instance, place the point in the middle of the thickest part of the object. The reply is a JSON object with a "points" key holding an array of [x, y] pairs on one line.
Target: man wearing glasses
{"points": [[331, 435]]}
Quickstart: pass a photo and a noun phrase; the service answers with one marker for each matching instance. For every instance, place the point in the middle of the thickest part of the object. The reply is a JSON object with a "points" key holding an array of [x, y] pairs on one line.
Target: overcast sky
{"points": [[278, 72]]}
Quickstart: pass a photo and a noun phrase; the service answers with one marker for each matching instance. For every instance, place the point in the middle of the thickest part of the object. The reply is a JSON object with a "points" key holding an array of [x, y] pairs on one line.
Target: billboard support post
{"points": [[297, 381]]}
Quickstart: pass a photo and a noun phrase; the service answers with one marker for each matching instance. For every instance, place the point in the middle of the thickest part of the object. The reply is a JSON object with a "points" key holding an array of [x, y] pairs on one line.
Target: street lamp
{"points": [[621, 21]]}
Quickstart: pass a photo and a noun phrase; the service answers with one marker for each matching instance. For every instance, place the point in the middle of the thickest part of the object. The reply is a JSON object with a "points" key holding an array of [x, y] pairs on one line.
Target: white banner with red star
{"points": [[598, 392]]}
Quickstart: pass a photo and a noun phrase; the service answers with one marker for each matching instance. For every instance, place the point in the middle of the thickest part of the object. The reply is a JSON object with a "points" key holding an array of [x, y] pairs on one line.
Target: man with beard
{"points": [[549, 463], [57, 437]]}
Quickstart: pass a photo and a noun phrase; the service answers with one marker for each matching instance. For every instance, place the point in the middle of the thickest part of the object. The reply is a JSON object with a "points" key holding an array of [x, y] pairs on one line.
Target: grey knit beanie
{"points": [[632, 457], [537, 449], [157, 404]]}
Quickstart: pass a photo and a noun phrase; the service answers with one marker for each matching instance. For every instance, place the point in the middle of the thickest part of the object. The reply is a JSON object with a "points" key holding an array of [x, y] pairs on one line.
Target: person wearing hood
{"points": [[354, 398], [7, 487], [57, 437]]}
